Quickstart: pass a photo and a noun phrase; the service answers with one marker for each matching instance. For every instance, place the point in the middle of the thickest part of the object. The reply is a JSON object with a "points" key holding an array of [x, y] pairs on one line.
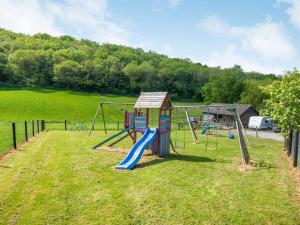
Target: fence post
{"points": [[26, 131], [14, 135], [256, 132], [295, 156], [290, 139], [38, 126], [32, 124], [42, 125], [65, 124], [118, 125]]}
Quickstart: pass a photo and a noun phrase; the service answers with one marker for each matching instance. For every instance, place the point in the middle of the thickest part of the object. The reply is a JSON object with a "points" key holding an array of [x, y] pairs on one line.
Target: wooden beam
{"points": [[195, 139]]}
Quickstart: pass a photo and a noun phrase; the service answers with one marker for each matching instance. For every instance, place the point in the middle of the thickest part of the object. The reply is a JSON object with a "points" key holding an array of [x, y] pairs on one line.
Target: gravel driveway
{"points": [[265, 134]]}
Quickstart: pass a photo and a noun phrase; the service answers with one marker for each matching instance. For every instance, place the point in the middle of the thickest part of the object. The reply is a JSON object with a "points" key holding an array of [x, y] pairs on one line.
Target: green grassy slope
{"points": [[57, 179], [22, 104], [19, 104]]}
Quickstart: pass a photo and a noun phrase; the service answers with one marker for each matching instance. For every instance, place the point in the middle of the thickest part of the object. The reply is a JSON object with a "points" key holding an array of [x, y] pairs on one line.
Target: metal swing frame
{"points": [[242, 135], [100, 107]]}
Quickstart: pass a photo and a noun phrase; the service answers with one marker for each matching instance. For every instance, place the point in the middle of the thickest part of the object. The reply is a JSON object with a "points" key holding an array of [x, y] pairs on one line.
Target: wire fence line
{"points": [[13, 133]]}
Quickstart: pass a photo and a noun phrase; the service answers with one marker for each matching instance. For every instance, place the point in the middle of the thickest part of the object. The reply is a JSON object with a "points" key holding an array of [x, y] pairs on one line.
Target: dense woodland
{"points": [[45, 61]]}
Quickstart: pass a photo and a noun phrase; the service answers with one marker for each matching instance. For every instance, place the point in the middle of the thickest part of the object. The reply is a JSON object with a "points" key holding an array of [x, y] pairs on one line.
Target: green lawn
{"points": [[57, 179], [19, 104], [48, 104]]}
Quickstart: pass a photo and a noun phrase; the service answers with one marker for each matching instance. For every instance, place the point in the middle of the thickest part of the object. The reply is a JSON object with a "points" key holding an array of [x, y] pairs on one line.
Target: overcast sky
{"points": [[259, 35]]}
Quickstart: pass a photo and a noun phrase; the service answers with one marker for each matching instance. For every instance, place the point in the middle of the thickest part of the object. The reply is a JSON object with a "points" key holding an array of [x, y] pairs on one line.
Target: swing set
{"points": [[100, 109], [207, 125]]}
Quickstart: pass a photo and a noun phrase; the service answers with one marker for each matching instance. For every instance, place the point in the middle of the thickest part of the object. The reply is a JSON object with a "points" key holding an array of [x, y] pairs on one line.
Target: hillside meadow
{"points": [[78, 108], [18, 104]]}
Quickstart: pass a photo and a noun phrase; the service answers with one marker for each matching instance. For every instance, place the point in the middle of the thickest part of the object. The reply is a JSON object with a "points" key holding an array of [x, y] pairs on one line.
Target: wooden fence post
{"points": [[26, 131], [295, 156], [65, 124], [43, 125], [32, 124], [14, 135], [256, 132], [290, 140], [38, 126]]}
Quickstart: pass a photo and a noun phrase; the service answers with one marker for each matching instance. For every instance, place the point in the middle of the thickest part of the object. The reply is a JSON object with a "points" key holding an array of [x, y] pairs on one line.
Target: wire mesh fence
{"points": [[14, 133], [24, 130]]}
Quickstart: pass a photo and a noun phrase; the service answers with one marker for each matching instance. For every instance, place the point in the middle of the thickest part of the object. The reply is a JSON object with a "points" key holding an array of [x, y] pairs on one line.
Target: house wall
{"points": [[246, 116], [208, 117], [229, 119], [224, 119]]}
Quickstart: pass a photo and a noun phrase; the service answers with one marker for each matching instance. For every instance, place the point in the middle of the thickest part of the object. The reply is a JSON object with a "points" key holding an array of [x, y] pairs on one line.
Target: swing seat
{"points": [[203, 130]]}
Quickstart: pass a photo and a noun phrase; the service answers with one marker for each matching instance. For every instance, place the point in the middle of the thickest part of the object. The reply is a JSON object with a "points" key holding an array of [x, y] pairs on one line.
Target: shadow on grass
{"points": [[179, 157], [34, 89], [45, 90]]}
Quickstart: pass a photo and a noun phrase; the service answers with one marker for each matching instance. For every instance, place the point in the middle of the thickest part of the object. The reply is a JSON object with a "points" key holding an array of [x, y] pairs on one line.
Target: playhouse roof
{"points": [[154, 100]]}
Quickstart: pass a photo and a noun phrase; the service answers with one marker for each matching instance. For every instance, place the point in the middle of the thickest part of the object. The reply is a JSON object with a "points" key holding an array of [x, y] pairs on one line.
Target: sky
{"points": [[259, 35]]}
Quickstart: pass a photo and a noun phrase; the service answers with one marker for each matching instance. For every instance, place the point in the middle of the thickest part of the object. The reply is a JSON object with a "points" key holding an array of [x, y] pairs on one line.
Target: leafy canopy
{"points": [[283, 102]]}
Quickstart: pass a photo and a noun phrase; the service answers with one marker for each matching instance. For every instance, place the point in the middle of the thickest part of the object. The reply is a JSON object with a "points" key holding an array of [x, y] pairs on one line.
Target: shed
{"points": [[153, 100], [225, 115]]}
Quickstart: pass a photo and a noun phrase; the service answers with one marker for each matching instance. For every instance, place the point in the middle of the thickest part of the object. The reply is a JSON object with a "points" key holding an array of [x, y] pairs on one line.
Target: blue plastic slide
{"points": [[137, 150]]}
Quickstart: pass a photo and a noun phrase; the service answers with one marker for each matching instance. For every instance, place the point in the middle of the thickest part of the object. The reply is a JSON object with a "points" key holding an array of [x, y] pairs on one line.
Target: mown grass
{"points": [[78, 108], [49, 104], [18, 104], [57, 179]]}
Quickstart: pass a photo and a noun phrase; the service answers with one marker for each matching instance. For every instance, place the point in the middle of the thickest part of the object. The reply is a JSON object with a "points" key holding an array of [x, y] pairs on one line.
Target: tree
{"points": [[283, 102], [31, 67], [44, 60], [142, 77], [3, 67], [253, 93], [68, 74], [224, 86]]}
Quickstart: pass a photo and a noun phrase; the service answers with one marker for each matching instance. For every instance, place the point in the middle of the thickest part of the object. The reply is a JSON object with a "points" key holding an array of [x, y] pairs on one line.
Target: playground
{"points": [[57, 179], [158, 138], [163, 167]]}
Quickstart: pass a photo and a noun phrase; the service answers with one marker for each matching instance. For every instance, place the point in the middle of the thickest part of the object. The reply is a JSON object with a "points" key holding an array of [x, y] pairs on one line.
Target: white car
{"points": [[260, 122]]}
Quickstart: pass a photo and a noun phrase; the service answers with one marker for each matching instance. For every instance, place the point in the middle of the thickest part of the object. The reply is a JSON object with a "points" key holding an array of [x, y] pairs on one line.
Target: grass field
{"points": [[57, 179], [35, 103], [48, 104], [19, 104]]}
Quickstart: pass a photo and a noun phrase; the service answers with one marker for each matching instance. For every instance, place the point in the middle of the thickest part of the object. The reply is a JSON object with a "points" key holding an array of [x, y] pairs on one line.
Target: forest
{"points": [[42, 60]]}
